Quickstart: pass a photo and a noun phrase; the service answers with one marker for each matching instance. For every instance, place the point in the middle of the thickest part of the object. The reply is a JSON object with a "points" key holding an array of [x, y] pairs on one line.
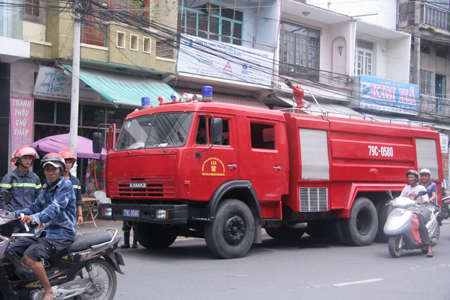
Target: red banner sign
{"points": [[22, 119]]}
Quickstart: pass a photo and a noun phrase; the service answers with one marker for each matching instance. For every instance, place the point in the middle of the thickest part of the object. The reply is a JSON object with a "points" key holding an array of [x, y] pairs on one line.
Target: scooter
{"points": [[445, 208], [86, 271], [399, 221]]}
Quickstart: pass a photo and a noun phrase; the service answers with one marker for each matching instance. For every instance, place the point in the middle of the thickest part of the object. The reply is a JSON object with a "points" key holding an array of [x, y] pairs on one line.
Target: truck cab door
{"points": [[212, 164], [268, 163]]}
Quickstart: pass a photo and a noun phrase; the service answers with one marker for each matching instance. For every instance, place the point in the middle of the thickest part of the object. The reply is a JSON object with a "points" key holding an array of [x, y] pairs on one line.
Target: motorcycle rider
{"points": [[431, 187], [411, 191], [56, 207], [22, 185], [70, 158]]}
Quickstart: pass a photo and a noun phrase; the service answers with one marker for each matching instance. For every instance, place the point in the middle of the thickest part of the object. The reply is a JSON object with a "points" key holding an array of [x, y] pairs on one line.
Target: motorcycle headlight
{"points": [[398, 213]]}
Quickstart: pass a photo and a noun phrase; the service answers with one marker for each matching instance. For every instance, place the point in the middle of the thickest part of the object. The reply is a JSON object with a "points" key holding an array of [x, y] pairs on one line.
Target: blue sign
{"points": [[388, 95]]}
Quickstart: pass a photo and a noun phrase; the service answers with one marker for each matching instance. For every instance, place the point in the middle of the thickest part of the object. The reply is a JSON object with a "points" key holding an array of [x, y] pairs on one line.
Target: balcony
{"points": [[434, 15], [325, 77], [431, 106]]}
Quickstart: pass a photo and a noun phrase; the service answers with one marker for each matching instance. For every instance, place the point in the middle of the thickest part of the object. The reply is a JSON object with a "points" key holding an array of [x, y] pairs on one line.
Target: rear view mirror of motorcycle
{"points": [[420, 194], [6, 198], [390, 194]]}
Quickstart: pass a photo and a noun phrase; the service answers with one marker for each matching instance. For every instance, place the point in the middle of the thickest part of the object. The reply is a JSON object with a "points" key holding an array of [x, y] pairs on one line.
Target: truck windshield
{"points": [[157, 130]]}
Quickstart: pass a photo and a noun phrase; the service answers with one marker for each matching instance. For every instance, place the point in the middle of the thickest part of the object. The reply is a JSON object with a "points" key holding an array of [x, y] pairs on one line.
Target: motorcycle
{"points": [[445, 208], [86, 271], [399, 221]]}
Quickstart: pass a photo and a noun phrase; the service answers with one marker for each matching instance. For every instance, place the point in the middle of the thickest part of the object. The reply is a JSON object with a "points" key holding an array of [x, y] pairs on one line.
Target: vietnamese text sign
{"points": [[444, 143], [212, 58], [22, 119], [388, 95], [53, 83]]}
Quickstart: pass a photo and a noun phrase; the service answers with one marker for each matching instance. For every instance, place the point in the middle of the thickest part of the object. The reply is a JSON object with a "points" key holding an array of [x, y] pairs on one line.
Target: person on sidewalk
{"points": [[70, 158], [126, 236], [56, 208]]}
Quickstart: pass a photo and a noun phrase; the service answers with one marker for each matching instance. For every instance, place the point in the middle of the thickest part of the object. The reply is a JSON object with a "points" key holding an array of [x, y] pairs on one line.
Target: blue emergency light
{"points": [[145, 102], [207, 93]]}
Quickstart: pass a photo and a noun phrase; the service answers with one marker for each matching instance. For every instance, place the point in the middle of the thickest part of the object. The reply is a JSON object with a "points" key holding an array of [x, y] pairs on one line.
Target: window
{"points": [[425, 49], [120, 39], [426, 82], [155, 131], [201, 137], [134, 45], [213, 21], [262, 136], [299, 51], [441, 52], [363, 58], [31, 8], [147, 44]]}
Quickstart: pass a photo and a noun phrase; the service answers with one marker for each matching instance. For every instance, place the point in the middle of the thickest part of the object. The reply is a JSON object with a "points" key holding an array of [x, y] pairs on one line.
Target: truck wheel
{"points": [[285, 233], [395, 245], [152, 236], [383, 211], [231, 233], [361, 228]]}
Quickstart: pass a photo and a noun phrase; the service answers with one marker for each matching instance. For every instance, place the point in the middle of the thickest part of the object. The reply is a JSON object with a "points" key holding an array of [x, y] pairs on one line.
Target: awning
{"points": [[125, 89]]}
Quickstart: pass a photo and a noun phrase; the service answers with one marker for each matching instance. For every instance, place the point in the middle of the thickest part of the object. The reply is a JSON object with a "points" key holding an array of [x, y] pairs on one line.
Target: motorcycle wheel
{"points": [[395, 245], [104, 275]]}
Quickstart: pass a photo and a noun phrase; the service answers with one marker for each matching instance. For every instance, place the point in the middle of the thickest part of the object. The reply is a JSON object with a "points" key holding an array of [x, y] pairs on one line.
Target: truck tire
{"points": [[152, 236], [285, 233], [337, 233], [383, 211], [231, 233], [361, 228]]}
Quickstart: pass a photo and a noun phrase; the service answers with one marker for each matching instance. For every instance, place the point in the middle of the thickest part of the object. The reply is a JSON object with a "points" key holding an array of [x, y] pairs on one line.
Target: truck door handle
{"points": [[277, 168], [232, 166]]}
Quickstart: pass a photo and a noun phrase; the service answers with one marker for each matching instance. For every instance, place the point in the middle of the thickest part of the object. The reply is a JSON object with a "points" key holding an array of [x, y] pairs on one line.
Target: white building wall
{"points": [[397, 63], [385, 11]]}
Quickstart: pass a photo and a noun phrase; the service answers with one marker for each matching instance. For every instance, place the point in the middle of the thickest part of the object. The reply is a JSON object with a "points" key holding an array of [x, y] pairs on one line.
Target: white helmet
{"points": [[425, 171]]}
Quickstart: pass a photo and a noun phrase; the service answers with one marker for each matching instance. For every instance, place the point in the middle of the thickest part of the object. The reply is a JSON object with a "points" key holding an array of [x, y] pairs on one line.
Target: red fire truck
{"points": [[223, 172]]}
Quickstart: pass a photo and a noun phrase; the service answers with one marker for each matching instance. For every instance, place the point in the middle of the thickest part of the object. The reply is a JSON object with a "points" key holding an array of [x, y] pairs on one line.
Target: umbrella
{"points": [[55, 142]]}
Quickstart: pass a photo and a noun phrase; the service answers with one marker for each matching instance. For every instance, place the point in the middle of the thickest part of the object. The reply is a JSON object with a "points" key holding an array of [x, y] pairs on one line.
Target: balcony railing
{"points": [[330, 78], [435, 16], [434, 105]]}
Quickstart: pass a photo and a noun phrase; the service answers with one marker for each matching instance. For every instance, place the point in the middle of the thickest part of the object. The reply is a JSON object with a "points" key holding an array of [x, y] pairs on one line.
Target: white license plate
{"points": [[131, 213]]}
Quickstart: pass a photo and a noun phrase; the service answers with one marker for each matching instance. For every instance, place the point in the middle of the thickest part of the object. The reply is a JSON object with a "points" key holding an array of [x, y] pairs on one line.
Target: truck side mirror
{"points": [[216, 130], [97, 140], [6, 198]]}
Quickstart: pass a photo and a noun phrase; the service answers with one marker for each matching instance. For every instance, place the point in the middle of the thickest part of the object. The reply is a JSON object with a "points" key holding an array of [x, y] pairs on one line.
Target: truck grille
{"points": [[313, 199], [161, 188]]}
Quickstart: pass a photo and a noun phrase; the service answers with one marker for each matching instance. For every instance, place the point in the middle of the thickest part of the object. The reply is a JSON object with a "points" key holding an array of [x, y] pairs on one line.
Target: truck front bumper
{"points": [[151, 213]]}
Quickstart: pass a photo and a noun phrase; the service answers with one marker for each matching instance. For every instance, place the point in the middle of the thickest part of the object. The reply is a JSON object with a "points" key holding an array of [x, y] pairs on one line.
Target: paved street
{"points": [[309, 269]]}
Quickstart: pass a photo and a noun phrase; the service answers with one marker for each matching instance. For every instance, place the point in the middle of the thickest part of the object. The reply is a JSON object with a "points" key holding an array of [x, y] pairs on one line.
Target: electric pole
{"points": [[74, 103]]}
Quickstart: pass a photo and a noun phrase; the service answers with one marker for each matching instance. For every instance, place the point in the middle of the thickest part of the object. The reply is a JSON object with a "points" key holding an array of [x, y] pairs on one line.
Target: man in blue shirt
{"points": [[431, 187], [56, 208]]}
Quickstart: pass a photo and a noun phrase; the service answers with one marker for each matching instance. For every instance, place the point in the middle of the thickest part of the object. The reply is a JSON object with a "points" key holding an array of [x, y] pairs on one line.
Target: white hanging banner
{"points": [[217, 59]]}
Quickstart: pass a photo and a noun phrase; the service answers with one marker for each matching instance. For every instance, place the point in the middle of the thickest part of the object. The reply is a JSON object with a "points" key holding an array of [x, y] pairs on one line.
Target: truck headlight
{"points": [[161, 214], [107, 211]]}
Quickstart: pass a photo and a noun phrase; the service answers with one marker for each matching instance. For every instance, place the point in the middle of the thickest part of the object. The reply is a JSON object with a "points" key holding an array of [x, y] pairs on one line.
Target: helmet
{"points": [[413, 172], [68, 153], [22, 151], [425, 171], [55, 160]]}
